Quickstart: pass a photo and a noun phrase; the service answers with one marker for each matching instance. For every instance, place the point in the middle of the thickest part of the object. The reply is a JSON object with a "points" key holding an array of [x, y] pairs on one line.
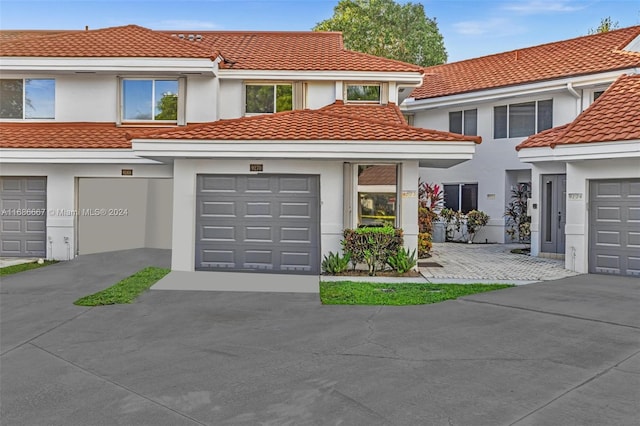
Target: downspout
{"points": [[577, 96]]}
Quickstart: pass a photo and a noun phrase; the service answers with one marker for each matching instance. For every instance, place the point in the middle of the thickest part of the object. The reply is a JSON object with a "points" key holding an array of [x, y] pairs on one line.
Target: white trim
{"points": [[398, 77], [526, 89], [583, 151], [83, 156], [73, 65]]}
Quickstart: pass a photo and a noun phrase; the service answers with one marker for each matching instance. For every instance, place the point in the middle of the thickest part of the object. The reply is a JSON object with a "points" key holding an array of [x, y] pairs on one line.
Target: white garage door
{"points": [[615, 227], [23, 224], [263, 223]]}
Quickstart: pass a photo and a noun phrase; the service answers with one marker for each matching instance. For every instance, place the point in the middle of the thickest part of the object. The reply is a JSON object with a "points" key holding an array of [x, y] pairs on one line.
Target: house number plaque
{"points": [[255, 167]]}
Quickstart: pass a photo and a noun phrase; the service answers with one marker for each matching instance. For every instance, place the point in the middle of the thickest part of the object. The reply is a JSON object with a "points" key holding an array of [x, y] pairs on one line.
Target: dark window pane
{"points": [[10, 98], [469, 197], [545, 115], [166, 92], [259, 99], [597, 94], [500, 122], [452, 197], [455, 122], [284, 97], [522, 119], [471, 122], [363, 93], [136, 97]]}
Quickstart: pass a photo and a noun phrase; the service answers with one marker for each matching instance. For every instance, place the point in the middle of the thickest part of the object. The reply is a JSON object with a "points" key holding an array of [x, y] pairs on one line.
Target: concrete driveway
{"points": [[561, 352]]}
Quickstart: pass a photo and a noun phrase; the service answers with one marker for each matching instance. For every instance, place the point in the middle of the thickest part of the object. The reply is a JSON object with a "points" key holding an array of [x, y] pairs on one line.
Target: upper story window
{"points": [[524, 119], [262, 98], [29, 98], [367, 93], [150, 100], [464, 122], [597, 94]]}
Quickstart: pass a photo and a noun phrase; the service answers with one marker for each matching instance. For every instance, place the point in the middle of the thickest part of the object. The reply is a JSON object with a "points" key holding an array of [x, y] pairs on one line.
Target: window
{"points": [[27, 98], [268, 98], [363, 93], [464, 122], [377, 194], [523, 119], [597, 94], [461, 197], [150, 100]]}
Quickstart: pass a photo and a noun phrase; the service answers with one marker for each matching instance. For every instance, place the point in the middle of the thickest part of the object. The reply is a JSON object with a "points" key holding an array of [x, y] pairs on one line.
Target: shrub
{"points": [[402, 261], [452, 222], [516, 213], [372, 245], [333, 263], [430, 202], [476, 220], [424, 244]]}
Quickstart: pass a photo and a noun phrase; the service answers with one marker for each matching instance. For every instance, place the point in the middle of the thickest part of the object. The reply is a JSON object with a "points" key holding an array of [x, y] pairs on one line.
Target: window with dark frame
{"points": [[464, 122], [461, 197], [522, 119]]}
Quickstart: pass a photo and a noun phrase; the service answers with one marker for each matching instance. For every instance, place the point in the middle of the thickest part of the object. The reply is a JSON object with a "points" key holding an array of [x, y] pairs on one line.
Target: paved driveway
{"points": [[555, 353]]}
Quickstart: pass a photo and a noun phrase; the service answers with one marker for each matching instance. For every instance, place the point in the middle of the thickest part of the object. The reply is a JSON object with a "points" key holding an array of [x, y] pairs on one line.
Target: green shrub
{"points": [[424, 244], [476, 220], [403, 261], [372, 245], [333, 263]]}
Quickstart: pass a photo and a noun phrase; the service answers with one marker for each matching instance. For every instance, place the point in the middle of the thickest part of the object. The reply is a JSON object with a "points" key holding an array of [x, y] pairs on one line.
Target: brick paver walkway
{"points": [[491, 261]]}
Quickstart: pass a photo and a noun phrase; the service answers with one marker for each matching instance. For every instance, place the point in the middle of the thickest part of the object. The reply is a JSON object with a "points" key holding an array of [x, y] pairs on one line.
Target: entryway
{"points": [[553, 220]]}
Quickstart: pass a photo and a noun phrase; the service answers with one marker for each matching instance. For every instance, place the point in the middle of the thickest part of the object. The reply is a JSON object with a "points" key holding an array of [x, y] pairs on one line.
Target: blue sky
{"points": [[470, 28]]}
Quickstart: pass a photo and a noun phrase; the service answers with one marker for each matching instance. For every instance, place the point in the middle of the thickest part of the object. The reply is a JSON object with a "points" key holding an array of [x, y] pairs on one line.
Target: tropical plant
{"points": [[333, 263], [424, 244], [452, 222], [476, 220], [372, 245], [402, 261], [517, 220]]}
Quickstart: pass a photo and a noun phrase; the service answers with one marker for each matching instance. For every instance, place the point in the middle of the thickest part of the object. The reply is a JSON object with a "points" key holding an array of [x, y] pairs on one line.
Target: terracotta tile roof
{"points": [[303, 125], [614, 116], [578, 56], [389, 113], [11, 35], [378, 175], [64, 136], [116, 42], [295, 51]]}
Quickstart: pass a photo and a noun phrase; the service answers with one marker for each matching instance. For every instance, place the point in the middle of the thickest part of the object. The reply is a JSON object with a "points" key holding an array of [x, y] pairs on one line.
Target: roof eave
{"points": [[581, 151], [95, 65]]}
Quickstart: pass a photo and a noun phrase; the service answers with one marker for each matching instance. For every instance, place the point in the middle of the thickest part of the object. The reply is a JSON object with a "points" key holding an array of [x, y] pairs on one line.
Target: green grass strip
{"points": [[14, 269], [361, 293], [126, 290]]}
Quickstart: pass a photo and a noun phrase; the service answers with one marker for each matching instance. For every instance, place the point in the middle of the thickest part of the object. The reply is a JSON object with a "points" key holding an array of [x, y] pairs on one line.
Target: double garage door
{"points": [[262, 223], [615, 227], [23, 229]]}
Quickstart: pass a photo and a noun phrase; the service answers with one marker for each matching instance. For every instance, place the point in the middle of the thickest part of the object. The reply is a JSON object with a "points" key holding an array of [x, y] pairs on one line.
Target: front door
{"points": [[554, 192]]}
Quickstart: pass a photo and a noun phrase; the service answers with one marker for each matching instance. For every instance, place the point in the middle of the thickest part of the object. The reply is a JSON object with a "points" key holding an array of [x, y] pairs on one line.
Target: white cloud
{"points": [[184, 24], [535, 7]]}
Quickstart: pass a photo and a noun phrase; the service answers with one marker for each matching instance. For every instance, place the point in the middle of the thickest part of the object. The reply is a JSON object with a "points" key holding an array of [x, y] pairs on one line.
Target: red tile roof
{"points": [[614, 116], [298, 51], [11, 35], [116, 42], [304, 125], [583, 55], [64, 136], [389, 113]]}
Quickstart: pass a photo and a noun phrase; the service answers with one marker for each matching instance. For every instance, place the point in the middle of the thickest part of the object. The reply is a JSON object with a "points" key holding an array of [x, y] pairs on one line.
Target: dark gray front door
{"points": [[614, 234], [23, 229], [554, 203], [262, 223]]}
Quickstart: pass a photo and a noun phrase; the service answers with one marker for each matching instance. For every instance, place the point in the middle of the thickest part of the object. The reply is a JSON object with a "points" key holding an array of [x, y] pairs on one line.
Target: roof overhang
{"points": [[109, 65], [583, 151], [428, 153], [526, 89], [71, 156], [401, 78]]}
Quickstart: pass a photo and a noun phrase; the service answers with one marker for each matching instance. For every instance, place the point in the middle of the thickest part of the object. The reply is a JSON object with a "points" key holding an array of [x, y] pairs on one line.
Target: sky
{"points": [[470, 28]]}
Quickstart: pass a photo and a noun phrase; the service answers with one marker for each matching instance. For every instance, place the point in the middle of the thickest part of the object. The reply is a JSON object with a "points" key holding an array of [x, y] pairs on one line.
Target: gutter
{"points": [[576, 95]]}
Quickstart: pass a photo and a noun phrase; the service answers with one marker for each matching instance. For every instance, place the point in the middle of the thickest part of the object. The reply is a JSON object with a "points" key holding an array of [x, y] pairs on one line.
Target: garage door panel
{"points": [[614, 220], [218, 233], [218, 184], [218, 209], [23, 226], [276, 223]]}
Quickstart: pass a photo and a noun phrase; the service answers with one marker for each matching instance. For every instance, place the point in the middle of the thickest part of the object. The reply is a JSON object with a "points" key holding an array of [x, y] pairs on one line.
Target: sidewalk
{"points": [[493, 262]]}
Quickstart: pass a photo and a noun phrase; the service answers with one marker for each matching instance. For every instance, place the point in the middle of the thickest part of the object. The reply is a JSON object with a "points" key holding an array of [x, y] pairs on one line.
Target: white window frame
{"points": [[536, 130], [356, 192], [383, 89], [24, 98], [181, 116], [294, 95]]}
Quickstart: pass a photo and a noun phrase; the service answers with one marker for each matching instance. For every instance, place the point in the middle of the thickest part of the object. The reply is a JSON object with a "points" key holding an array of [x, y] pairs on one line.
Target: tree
{"points": [[167, 108], [388, 29], [606, 25]]}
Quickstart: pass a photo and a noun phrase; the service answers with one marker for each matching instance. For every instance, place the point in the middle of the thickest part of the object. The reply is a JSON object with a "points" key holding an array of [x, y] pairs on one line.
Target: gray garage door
{"points": [[23, 229], [263, 223], [615, 227]]}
